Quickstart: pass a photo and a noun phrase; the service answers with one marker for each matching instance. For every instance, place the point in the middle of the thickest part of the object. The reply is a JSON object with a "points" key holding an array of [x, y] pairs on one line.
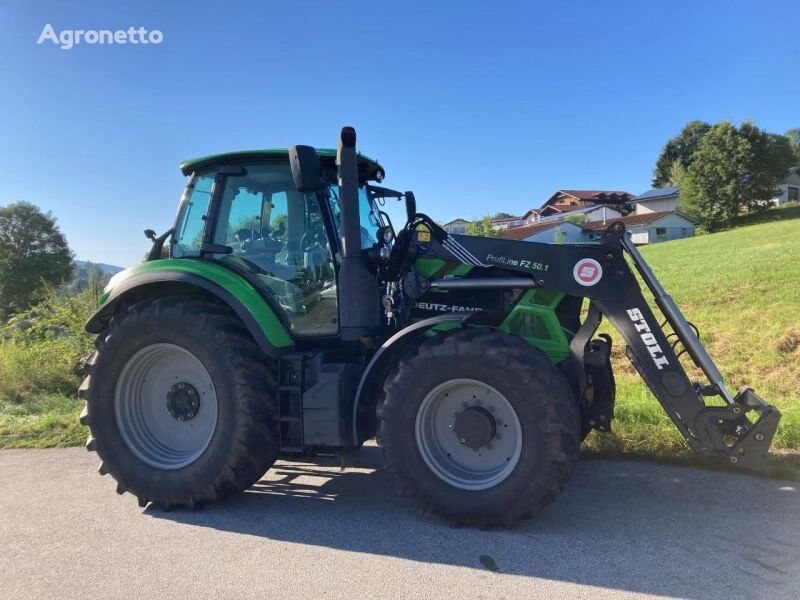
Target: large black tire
{"points": [[245, 440], [540, 395]]}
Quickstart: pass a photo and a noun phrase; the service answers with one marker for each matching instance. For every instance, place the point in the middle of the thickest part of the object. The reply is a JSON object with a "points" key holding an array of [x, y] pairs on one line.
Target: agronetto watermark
{"points": [[66, 39]]}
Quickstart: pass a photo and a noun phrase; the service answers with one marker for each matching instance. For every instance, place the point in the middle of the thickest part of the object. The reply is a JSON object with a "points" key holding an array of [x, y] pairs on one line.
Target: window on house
{"points": [[661, 232], [794, 194]]}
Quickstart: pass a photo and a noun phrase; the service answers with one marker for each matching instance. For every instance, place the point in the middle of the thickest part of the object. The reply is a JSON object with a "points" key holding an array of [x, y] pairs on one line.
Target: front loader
{"points": [[291, 317]]}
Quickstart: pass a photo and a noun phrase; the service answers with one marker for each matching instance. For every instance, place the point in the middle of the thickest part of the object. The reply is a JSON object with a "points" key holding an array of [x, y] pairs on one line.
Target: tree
{"points": [[483, 228], [577, 219], [793, 135], [679, 149], [33, 255], [732, 171]]}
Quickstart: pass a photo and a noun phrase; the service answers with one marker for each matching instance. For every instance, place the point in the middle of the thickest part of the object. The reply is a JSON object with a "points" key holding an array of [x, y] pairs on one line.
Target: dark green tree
{"points": [[679, 149], [34, 255], [793, 135], [734, 170], [483, 228]]}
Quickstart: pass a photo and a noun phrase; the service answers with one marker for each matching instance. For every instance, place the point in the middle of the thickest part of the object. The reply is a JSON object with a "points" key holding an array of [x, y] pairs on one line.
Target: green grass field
{"points": [[742, 290], [740, 287]]}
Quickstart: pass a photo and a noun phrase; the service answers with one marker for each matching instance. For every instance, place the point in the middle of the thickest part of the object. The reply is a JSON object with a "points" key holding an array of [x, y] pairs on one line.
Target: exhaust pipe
{"points": [[359, 294]]}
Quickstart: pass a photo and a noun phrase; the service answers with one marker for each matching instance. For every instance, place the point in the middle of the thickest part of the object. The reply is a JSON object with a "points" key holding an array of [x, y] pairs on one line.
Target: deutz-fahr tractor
{"points": [[284, 314]]}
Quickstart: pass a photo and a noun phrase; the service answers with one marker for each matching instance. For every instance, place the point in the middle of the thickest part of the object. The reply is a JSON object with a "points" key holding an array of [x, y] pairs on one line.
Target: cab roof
{"points": [[368, 169]]}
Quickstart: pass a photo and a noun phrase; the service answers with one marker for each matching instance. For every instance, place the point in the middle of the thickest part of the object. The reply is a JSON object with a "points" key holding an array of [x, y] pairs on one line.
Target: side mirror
{"points": [[306, 168], [411, 206]]}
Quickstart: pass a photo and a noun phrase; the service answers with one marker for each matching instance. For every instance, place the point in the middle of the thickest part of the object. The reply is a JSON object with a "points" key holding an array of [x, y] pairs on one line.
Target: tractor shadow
{"points": [[632, 526]]}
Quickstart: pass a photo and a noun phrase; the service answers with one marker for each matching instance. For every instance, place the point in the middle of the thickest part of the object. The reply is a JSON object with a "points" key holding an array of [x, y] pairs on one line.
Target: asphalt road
{"points": [[621, 529]]}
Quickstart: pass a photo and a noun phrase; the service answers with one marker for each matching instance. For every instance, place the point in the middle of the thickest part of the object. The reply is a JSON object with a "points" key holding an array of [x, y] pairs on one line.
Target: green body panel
{"points": [[232, 283], [428, 267], [533, 317], [434, 268]]}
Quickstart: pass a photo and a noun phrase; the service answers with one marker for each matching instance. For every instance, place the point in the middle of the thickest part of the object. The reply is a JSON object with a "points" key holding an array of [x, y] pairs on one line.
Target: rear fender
{"points": [[257, 316]]}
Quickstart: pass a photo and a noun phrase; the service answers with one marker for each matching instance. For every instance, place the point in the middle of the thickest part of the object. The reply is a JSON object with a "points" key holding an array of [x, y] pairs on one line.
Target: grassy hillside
{"points": [[742, 290]]}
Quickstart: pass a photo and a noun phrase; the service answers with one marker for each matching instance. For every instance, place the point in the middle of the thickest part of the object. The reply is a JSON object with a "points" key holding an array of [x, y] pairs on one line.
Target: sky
{"points": [[478, 107]]}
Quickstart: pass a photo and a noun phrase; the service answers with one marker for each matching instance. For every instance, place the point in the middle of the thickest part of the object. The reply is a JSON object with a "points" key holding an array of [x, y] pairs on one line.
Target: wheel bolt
{"points": [[498, 437]]}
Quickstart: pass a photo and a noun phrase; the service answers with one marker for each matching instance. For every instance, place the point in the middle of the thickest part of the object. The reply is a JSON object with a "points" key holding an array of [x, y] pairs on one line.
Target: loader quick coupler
{"points": [[727, 432]]}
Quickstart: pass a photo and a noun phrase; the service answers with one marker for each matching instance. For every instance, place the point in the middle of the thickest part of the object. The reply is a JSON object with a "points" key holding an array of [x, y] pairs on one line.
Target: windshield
{"points": [[191, 221], [369, 216]]}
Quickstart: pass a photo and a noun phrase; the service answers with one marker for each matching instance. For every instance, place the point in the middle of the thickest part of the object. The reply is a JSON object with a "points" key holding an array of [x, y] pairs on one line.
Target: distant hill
{"points": [[107, 269], [88, 274]]}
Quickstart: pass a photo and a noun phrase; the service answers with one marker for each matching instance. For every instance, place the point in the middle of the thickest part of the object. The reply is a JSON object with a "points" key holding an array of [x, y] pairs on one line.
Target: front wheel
{"points": [[180, 402], [480, 425]]}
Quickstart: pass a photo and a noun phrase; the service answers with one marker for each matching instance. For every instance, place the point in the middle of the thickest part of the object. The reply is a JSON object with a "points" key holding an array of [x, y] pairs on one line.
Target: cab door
{"points": [[278, 241]]}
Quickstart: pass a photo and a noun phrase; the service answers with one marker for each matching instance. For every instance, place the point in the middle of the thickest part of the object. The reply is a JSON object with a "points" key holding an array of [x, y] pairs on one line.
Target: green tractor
{"points": [[286, 316]]}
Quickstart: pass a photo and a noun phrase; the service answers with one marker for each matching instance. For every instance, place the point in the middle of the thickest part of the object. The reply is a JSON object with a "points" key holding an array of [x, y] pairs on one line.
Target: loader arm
{"points": [[739, 431]]}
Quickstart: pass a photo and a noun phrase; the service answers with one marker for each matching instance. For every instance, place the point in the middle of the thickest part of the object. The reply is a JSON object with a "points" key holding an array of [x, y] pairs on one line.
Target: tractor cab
{"points": [[244, 211]]}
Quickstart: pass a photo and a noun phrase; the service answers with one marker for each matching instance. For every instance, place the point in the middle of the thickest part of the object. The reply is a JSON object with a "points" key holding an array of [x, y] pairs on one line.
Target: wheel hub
{"points": [[475, 427], [468, 434], [183, 401]]}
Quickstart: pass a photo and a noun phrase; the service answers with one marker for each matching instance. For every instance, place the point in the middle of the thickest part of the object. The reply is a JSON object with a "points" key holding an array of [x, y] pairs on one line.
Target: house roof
{"points": [[599, 196], [636, 220], [459, 220], [658, 193], [561, 210], [520, 233]]}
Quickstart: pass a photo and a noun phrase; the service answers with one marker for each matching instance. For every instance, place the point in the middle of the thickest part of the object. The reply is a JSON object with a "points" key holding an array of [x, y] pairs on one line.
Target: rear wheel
{"points": [[181, 403], [480, 425]]}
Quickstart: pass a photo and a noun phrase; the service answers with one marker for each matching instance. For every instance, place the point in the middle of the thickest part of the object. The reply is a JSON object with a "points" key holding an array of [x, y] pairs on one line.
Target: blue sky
{"points": [[477, 107]]}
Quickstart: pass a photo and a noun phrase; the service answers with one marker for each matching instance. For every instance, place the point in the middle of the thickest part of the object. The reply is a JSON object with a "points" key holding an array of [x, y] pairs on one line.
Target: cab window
{"points": [[369, 217], [278, 239], [191, 221]]}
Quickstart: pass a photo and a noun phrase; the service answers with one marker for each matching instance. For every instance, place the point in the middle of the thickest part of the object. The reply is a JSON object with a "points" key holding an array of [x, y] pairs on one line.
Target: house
{"points": [[649, 228], [598, 212], [549, 232], [532, 216], [505, 220], [657, 200], [457, 226], [790, 188], [564, 201]]}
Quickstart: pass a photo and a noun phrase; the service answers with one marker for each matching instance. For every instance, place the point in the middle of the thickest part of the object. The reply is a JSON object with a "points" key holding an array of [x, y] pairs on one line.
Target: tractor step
{"points": [[290, 402]]}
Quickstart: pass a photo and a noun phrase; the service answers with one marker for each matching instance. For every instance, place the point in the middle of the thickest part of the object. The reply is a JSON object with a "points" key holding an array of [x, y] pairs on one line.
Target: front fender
{"points": [[386, 352], [169, 276]]}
